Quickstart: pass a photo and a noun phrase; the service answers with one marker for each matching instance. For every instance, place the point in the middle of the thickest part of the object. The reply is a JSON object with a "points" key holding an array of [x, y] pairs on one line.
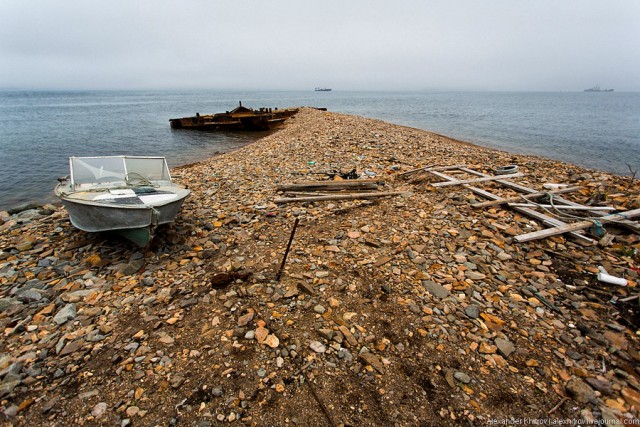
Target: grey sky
{"points": [[343, 44]]}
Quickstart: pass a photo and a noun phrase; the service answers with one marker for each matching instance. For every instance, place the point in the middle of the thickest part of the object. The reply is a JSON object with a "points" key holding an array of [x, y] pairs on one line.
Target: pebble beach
{"points": [[412, 309]]}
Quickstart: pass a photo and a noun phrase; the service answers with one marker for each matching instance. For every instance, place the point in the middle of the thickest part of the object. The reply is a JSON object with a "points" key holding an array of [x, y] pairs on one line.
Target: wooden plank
{"points": [[368, 184], [409, 172], [580, 225], [574, 208], [632, 226], [339, 197], [306, 193], [519, 198], [442, 175], [474, 180], [545, 219], [504, 183], [443, 168]]}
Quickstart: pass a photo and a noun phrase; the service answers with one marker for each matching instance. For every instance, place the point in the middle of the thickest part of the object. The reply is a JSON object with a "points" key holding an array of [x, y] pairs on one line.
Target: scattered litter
{"points": [[335, 174], [506, 170], [553, 186], [352, 174], [605, 277]]}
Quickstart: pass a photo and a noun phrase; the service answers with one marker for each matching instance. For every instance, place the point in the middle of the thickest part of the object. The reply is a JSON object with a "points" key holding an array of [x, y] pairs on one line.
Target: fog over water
{"points": [[497, 45]]}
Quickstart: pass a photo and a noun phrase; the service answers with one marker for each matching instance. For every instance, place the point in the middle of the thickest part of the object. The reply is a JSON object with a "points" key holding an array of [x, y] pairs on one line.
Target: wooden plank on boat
{"points": [[339, 197], [580, 225], [474, 180], [519, 198]]}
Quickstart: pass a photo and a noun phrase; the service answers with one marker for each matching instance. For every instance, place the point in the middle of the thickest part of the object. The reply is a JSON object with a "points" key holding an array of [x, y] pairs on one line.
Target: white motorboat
{"points": [[130, 195]]}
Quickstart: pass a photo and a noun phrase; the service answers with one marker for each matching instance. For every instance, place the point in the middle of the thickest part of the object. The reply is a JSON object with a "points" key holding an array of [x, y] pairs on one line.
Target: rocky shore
{"points": [[410, 310]]}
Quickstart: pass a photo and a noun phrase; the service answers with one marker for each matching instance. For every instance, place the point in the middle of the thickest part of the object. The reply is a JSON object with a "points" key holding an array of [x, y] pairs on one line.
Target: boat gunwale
{"points": [[68, 197]]}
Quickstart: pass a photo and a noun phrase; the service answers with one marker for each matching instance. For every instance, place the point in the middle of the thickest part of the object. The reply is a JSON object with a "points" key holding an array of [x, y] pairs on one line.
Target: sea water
{"points": [[39, 130]]}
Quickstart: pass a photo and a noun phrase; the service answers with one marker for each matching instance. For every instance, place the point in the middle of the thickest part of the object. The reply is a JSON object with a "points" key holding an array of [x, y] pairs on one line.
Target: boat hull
{"points": [[247, 120], [135, 222]]}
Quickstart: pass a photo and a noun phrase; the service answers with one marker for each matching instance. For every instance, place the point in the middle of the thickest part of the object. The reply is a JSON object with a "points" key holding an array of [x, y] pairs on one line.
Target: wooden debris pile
{"points": [[555, 209]]}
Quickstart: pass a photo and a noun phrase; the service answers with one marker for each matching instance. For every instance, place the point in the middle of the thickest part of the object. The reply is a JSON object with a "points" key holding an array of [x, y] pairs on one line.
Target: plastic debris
{"points": [[605, 277]]}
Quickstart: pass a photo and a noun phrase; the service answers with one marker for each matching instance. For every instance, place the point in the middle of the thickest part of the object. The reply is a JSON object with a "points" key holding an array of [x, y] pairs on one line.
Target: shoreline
{"points": [[415, 308], [52, 200]]}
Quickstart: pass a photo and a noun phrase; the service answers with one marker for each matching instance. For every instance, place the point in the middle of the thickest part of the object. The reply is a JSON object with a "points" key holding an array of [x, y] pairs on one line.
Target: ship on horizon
{"points": [[323, 89], [596, 88]]}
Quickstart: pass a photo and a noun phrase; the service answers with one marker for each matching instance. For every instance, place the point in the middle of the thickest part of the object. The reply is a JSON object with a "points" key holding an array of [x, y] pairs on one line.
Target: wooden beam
{"points": [[443, 168], [362, 184], [474, 180], [339, 197], [565, 207], [632, 226], [505, 183], [580, 225], [305, 193], [519, 198], [409, 172]]}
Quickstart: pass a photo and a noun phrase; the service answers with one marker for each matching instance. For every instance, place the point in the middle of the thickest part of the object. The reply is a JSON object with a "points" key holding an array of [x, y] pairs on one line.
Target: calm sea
{"points": [[40, 130]]}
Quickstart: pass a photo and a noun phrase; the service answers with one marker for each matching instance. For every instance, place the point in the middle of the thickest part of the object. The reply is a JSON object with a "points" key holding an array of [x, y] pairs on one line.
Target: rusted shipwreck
{"points": [[240, 118]]}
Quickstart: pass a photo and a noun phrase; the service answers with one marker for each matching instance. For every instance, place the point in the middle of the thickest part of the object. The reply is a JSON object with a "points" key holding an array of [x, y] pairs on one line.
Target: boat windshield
{"points": [[109, 172]]}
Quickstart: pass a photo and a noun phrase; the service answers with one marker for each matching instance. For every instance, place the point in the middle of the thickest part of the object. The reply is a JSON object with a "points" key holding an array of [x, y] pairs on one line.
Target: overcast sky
{"points": [[299, 44]]}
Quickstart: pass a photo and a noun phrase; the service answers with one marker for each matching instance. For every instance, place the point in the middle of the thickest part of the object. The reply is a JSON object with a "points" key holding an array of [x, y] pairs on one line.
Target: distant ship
{"points": [[596, 88], [323, 89]]}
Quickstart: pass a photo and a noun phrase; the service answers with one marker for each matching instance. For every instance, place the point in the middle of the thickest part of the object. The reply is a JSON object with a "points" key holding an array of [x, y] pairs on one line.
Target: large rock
{"points": [[505, 347], [10, 306], [435, 289], [29, 295], [7, 386], [580, 391], [68, 312], [472, 311]]}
